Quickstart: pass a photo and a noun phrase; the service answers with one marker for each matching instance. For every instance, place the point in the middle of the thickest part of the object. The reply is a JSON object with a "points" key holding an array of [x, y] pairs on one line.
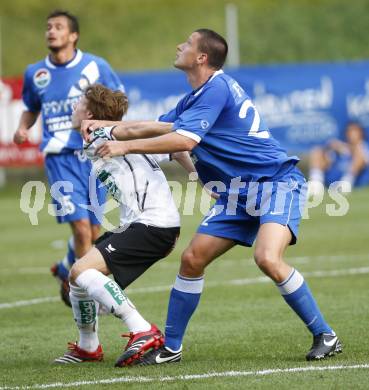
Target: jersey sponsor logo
{"points": [[58, 123], [63, 106], [42, 78]]}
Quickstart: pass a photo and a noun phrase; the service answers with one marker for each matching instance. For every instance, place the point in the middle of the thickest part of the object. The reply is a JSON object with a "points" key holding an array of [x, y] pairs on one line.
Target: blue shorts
{"points": [[239, 219], [74, 195]]}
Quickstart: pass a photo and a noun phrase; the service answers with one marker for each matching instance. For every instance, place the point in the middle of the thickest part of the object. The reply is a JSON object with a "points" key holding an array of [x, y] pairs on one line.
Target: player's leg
{"points": [[276, 232], [61, 271], [126, 255], [69, 186], [90, 273], [186, 293], [85, 309], [95, 232], [89, 287], [78, 245], [188, 286], [62, 268], [82, 236], [319, 162]]}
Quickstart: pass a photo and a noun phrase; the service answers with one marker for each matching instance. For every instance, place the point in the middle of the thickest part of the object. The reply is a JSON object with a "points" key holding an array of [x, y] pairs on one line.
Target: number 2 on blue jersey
{"points": [[245, 108]]}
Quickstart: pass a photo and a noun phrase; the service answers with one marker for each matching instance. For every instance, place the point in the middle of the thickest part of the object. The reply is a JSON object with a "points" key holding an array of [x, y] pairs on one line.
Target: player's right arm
{"points": [[27, 120], [130, 130], [33, 106]]}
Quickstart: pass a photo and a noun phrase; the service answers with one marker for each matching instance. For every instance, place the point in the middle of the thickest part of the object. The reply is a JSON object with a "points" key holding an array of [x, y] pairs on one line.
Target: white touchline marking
{"points": [[233, 282], [224, 374], [34, 301]]}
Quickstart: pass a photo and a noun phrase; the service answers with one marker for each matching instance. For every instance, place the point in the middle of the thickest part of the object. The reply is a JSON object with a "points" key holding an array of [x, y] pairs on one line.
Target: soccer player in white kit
{"points": [[149, 228]]}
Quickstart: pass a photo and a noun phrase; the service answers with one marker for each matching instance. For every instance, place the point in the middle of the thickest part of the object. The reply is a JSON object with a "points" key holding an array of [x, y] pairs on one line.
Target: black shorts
{"points": [[128, 254]]}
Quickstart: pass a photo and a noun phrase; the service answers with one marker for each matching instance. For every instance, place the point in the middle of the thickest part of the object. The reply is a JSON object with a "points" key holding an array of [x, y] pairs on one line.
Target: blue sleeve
{"points": [[170, 116], [200, 117], [29, 95], [108, 77]]}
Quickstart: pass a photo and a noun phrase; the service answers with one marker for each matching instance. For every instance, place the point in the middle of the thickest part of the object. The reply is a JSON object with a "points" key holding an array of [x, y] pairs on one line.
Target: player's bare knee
{"points": [[75, 271], [191, 264], [73, 275], [266, 260]]}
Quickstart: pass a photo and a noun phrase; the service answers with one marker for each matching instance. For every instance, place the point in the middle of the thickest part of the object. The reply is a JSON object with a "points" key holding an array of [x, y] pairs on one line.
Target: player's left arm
{"points": [[168, 143]]}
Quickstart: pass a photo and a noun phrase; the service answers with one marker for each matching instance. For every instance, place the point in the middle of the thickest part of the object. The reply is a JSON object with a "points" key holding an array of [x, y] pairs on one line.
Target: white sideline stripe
{"points": [[224, 374], [224, 262], [233, 282], [35, 301]]}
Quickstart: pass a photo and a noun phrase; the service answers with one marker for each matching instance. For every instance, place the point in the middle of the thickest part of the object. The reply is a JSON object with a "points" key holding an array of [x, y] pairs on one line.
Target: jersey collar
{"points": [[199, 89], [73, 62]]}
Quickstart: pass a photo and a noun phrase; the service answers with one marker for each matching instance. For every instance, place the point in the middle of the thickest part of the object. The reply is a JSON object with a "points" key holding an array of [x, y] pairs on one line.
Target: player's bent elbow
{"points": [[189, 144]]}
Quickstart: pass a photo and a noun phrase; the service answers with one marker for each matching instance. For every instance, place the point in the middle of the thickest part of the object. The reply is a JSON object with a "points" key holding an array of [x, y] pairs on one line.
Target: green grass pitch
{"points": [[242, 325]]}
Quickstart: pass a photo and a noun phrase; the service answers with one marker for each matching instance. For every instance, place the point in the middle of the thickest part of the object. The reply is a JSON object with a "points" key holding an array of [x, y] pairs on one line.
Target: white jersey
{"points": [[138, 184]]}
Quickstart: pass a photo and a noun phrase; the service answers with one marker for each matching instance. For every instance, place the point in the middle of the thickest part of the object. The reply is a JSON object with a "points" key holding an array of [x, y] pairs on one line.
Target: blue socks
{"points": [[297, 294], [184, 298]]}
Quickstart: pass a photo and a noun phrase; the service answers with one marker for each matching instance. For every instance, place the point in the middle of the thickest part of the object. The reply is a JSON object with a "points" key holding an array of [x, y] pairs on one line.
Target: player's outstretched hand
{"points": [[111, 149], [89, 125], [20, 136]]}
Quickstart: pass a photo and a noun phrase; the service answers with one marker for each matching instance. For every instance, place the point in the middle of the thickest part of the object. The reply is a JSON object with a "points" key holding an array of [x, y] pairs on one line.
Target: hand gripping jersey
{"points": [[233, 141], [138, 184], [53, 89]]}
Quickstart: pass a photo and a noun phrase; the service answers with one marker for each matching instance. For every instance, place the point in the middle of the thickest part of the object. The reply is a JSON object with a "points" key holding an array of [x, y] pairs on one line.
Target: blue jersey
{"points": [[53, 89], [233, 141]]}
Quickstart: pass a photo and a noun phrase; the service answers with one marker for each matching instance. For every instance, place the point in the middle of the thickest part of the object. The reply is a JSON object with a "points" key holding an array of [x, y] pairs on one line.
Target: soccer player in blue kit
{"points": [[53, 86], [261, 190]]}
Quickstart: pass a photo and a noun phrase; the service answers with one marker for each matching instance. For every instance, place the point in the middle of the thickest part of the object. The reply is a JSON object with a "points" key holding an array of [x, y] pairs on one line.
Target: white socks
{"points": [[292, 283], [85, 314], [108, 293]]}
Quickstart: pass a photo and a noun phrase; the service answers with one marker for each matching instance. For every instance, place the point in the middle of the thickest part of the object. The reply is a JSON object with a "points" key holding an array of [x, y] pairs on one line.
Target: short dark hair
{"points": [[105, 103], [214, 45], [72, 19]]}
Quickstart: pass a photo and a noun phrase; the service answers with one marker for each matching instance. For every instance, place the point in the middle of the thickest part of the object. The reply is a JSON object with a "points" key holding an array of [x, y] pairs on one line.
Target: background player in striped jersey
{"points": [[261, 190], [51, 87]]}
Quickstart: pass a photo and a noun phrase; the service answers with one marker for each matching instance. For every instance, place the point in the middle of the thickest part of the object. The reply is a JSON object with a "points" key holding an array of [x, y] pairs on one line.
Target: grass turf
{"points": [[243, 326]]}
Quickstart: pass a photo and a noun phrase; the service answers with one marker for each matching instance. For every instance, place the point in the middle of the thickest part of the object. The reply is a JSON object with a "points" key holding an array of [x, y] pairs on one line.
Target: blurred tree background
{"points": [[143, 34]]}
